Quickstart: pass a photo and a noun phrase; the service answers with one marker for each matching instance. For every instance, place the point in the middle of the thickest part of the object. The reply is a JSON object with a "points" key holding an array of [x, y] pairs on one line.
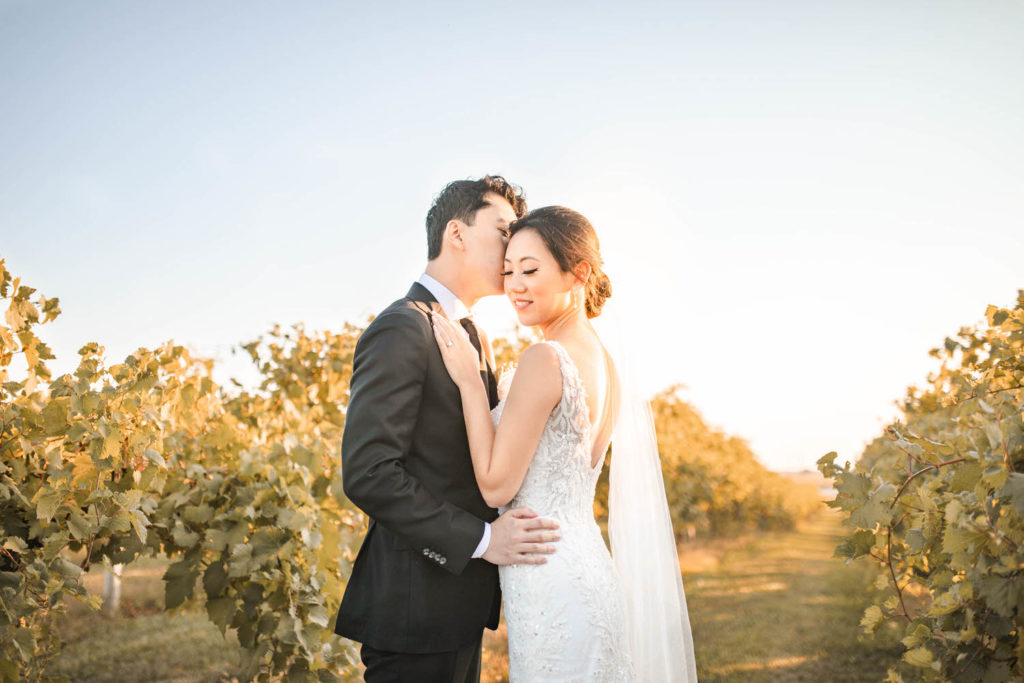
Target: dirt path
{"points": [[769, 607], [779, 607]]}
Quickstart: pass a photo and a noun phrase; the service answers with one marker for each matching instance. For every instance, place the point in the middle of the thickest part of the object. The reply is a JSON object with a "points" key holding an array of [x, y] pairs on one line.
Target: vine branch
{"points": [[987, 393], [892, 572], [919, 472]]}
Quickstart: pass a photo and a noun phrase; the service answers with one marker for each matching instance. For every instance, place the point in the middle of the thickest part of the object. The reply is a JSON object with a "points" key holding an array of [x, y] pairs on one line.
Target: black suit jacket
{"points": [[406, 463]]}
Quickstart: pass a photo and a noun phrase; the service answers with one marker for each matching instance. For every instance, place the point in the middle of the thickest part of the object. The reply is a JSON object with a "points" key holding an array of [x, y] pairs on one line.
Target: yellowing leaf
{"points": [[921, 657], [872, 618], [47, 501]]}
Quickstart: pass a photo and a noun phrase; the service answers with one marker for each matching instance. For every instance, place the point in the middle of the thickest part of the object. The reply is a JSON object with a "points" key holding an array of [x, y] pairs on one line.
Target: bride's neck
{"points": [[571, 320]]}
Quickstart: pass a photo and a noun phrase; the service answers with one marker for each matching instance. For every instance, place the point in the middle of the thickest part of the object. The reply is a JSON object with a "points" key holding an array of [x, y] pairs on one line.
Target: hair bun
{"points": [[599, 288]]}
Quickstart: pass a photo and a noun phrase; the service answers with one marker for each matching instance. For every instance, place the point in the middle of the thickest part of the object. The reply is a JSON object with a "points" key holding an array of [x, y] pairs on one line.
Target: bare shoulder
{"points": [[539, 357], [538, 375]]}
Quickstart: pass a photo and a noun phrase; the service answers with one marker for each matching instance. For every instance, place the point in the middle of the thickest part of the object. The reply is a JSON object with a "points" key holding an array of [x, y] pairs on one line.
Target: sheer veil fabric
{"points": [[643, 543]]}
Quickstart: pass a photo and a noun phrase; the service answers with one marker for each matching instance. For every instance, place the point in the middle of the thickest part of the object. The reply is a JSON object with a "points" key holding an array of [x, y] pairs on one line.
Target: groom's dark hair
{"points": [[461, 199]]}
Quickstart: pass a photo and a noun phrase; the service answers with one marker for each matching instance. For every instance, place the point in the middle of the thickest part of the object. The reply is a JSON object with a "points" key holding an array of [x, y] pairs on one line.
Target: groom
{"points": [[425, 582]]}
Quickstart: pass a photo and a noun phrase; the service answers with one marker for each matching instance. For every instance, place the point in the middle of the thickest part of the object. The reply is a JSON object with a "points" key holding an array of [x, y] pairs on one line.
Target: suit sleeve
{"points": [[389, 369]]}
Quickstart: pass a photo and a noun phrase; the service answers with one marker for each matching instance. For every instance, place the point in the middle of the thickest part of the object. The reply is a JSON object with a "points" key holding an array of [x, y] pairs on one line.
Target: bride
{"points": [[581, 615]]}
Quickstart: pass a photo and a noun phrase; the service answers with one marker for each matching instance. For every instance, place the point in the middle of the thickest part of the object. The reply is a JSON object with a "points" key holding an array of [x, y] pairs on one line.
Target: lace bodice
{"points": [[560, 480], [566, 618]]}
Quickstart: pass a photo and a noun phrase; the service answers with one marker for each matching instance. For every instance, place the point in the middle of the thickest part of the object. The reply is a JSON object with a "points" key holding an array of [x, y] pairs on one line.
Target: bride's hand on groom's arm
{"points": [[460, 358], [521, 537]]}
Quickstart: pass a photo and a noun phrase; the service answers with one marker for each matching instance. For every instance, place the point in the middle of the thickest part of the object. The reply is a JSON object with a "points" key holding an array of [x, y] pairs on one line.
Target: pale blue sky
{"points": [[801, 197]]}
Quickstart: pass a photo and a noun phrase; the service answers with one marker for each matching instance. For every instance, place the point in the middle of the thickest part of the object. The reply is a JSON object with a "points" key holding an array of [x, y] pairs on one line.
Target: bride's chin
{"points": [[526, 320]]}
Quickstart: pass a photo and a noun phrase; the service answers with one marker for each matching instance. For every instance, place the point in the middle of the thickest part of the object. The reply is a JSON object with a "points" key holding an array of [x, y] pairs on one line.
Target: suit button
{"points": [[426, 552], [443, 560]]}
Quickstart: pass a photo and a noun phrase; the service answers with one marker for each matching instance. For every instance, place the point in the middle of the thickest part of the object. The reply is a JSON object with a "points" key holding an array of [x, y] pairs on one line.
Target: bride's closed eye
{"points": [[525, 272]]}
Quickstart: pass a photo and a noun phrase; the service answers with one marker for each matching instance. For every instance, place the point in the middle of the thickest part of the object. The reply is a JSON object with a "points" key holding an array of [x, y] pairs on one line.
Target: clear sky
{"points": [[798, 199]]}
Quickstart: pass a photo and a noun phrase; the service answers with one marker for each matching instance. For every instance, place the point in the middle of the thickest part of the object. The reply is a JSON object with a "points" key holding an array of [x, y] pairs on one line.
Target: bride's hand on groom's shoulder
{"points": [[460, 358], [519, 536]]}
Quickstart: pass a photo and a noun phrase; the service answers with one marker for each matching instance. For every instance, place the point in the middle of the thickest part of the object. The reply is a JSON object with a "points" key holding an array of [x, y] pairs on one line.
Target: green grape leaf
{"points": [[198, 514], [80, 526], [318, 615], [965, 476], [221, 611], [184, 538], [945, 603], [997, 672], [873, 617], [140, 523], [1014, 487], [1001, 594], [215, 579], [25, 641], [16, 544], [47, 501], [915, 540], [918, 636], [154, 457], [179, 583], [860, 543], [920, 657]]}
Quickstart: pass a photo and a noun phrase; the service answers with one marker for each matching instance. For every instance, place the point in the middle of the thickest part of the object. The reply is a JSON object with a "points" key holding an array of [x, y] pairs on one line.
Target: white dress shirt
{"points": [[454, 309], [451, 304]]}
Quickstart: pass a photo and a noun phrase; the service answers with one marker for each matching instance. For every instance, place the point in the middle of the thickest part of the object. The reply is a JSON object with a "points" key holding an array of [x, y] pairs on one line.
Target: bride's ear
{"points": [[582, 272]]}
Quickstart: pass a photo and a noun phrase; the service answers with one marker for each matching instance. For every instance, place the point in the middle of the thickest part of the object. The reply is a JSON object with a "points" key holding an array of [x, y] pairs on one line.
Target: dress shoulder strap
{"points": [[574, 394]]}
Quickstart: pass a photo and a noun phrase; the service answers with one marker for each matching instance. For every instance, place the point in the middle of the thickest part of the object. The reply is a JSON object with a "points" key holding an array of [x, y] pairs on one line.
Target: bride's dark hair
{"points": [[571, 239]]}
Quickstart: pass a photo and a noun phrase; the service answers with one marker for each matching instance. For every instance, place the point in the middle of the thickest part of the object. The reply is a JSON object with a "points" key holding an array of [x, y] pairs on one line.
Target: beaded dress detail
{"points": [[566, 618]]}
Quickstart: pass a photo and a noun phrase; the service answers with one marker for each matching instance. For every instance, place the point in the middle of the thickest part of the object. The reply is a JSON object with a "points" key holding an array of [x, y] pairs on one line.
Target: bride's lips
{"points": [[520, 304]]}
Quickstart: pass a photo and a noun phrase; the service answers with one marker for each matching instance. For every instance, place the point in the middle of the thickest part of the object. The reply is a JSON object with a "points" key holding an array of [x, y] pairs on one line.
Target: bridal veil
{"points": [[643, 544]]}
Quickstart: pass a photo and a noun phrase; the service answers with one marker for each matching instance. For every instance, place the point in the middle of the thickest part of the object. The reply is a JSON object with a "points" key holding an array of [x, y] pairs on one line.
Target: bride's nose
{"points": [[514, 283]]}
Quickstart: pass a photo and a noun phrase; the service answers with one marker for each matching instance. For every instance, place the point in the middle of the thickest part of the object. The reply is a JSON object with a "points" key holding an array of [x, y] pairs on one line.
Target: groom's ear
{"points": [[453, 235]]}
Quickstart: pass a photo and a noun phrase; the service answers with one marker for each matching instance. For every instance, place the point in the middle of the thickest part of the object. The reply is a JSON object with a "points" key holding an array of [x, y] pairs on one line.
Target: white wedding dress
{"points": [[567, 618]]}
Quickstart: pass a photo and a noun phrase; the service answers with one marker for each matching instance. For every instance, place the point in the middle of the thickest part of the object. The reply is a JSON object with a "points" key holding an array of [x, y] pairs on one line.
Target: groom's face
{"points": [[485, 243]]}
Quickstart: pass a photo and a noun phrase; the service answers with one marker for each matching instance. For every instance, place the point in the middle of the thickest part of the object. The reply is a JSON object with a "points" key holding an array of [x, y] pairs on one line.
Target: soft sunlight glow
{"points": [[797, 200]]}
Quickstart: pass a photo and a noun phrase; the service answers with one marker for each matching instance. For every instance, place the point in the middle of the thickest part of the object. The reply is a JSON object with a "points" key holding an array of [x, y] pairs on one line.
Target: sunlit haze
{"points": [[796, 200]]}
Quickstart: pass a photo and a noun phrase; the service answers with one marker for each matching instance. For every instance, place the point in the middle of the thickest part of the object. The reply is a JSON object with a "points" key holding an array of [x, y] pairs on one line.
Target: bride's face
{"points": [[534, 282]]}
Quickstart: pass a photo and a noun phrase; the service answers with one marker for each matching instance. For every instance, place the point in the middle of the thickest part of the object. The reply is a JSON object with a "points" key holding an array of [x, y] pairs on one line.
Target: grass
{"points": [[779, 607], [767, 607], [152, 647], [142, 643]]}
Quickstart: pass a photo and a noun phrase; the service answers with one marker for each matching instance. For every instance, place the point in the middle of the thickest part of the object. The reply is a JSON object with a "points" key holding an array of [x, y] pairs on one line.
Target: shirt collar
{"points": [[450, 304]]}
